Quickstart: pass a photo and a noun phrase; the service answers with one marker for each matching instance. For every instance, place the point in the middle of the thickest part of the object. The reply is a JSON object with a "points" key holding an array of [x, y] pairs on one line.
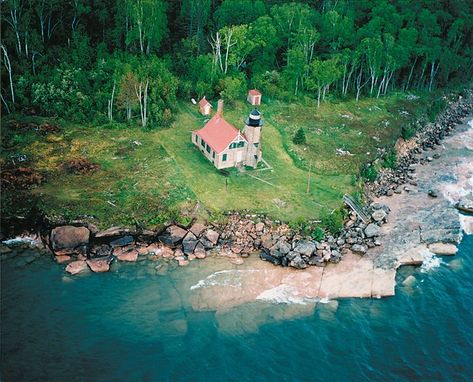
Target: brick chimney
{"points": [[220, 108]]}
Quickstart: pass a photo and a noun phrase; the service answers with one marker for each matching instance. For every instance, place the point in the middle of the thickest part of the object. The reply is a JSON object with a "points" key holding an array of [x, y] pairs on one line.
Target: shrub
{"points": [[408, 132], [299, 137], [368, 172], [390, 159], [333, 222], [318, 234]]}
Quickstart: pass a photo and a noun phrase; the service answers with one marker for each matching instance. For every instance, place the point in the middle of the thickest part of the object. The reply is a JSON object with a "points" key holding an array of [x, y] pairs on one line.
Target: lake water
{"points": [[135, 325]]}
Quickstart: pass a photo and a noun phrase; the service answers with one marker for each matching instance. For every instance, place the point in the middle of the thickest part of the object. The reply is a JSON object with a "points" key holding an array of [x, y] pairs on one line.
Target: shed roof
{"points": [[218, 133], [204, 102], [254, 92]]}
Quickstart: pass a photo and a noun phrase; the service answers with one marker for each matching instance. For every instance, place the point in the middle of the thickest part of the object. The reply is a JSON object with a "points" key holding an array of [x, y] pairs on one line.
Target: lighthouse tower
{"points": [[252, 131]]}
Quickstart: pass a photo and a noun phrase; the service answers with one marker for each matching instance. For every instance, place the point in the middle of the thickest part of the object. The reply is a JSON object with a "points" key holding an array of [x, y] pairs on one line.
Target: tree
{"points": [[148, 24], [126, 98], [299, 137], [322, 75]]}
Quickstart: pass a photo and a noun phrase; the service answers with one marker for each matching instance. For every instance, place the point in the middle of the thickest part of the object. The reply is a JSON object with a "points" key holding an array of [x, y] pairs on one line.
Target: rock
{"points": [[130, 256], [122, 241], [267, 241], [68, 240], [199, 251], [445, 249], [197, 229], [182, 261], [378, 215], [76, 267], [372, 230], [266, 256], [317, 261], [61, 259], [432, 193], [212, 236], [101, 264], [298, 263], [398, 190], [189, 242], [259, 227], [114, 231], [101, 250], [284, 247], [305, 248], [409, 281], [173, 235], [389, 193], [359, 248]]}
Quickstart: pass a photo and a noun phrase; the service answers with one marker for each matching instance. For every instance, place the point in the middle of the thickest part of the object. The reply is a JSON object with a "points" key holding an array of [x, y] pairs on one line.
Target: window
{"points": [[224, 157], [202, 143], [213, 155], [241, 144], [256, 144], [208, 149], [232, 146]]}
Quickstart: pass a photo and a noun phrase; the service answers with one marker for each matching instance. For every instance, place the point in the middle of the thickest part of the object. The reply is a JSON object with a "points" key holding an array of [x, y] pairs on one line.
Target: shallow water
{"points": [[134, 325]]}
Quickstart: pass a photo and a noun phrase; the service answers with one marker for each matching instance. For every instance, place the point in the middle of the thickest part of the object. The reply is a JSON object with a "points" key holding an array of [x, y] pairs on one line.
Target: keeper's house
{"points": [[226, 146]]}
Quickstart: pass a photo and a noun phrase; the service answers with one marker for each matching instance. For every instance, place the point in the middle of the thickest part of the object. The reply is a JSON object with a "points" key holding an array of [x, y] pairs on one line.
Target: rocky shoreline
{"points": [[81, 246]]}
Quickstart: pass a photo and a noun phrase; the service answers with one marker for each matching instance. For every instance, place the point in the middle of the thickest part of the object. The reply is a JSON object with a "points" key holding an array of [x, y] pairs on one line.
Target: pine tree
{"points": [[299, 137]]}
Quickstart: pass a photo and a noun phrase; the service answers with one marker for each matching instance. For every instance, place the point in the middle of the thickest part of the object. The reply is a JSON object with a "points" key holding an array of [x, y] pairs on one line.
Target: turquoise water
{"points": [[132, 325]]}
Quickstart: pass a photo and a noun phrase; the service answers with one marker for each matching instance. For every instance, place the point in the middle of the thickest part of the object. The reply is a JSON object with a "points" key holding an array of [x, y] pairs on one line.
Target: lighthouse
{"points": [[252, 132]]}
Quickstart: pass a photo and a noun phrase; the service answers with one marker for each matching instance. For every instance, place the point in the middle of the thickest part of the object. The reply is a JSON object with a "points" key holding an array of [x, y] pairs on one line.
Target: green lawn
{"points": [[149, 176]]}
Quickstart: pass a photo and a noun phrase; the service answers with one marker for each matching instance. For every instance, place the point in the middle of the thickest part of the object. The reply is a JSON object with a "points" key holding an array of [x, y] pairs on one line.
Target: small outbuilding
{"points": [[254, 97], [204, 106]]}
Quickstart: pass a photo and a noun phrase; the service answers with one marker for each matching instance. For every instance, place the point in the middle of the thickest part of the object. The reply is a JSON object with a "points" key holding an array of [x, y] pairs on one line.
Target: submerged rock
{"points": [[445, 249]]}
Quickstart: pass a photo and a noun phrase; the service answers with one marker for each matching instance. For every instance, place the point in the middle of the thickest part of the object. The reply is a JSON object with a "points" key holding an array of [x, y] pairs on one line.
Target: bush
{"points": [[299, 137], [408, 132], [318, 234], [368, 172], [390, 159], [436, 107], [333, 222]]}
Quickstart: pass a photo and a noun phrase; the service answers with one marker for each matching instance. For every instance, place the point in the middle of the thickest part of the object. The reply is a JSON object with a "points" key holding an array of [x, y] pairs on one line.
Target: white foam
{"points": [[228, 277], [429, 261], [20, 240], [466, 223], [282, 294]]}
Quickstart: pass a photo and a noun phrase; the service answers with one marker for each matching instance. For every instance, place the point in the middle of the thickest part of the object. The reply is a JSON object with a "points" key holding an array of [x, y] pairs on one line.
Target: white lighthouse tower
{"points": [[252, 132]]}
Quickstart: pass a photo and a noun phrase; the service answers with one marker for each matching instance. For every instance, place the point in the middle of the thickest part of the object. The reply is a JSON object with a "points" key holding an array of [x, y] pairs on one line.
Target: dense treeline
{"points": [[130, 59]]}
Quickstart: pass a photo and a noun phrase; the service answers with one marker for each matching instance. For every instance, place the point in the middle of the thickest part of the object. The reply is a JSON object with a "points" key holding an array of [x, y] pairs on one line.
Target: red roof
{"points": [[204, 102], [254, 92], [218, 133]]}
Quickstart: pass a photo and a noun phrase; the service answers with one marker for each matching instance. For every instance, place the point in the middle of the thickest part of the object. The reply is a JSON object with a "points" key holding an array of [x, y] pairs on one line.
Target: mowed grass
{"points": [[149, 176], [280, 191]]}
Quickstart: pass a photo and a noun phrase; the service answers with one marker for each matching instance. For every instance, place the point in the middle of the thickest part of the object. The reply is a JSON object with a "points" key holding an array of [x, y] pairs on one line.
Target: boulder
{"points": [[173, 235], [212, 236], [359, 248], [189, 242], [259, 227], [372, 230], [267, 241], [305, 247], [68, 240], [101, 250], [76, 267], [433, 193], [61, 259], [101, 264], [199, 251], [378, 215], [298, 263], [130, 256], [266, 256], [122, 241], [197, 229], [114, 231], [284, 247]]}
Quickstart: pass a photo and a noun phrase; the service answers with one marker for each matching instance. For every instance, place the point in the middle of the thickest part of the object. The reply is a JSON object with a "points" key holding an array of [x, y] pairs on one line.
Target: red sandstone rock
{"points": [[76, 267], [99, 265], [67, 240]]}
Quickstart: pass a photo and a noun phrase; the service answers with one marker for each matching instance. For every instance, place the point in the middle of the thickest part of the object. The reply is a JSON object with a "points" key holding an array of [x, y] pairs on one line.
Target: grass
{"points": [[148, 177]]}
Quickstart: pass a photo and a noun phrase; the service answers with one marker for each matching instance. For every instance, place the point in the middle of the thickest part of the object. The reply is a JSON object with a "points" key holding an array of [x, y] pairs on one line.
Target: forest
{"points": [[129, 61]]}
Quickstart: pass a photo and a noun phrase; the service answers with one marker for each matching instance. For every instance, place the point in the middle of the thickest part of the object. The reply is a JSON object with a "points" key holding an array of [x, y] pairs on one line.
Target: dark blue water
{"points": [[131, 325]]}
